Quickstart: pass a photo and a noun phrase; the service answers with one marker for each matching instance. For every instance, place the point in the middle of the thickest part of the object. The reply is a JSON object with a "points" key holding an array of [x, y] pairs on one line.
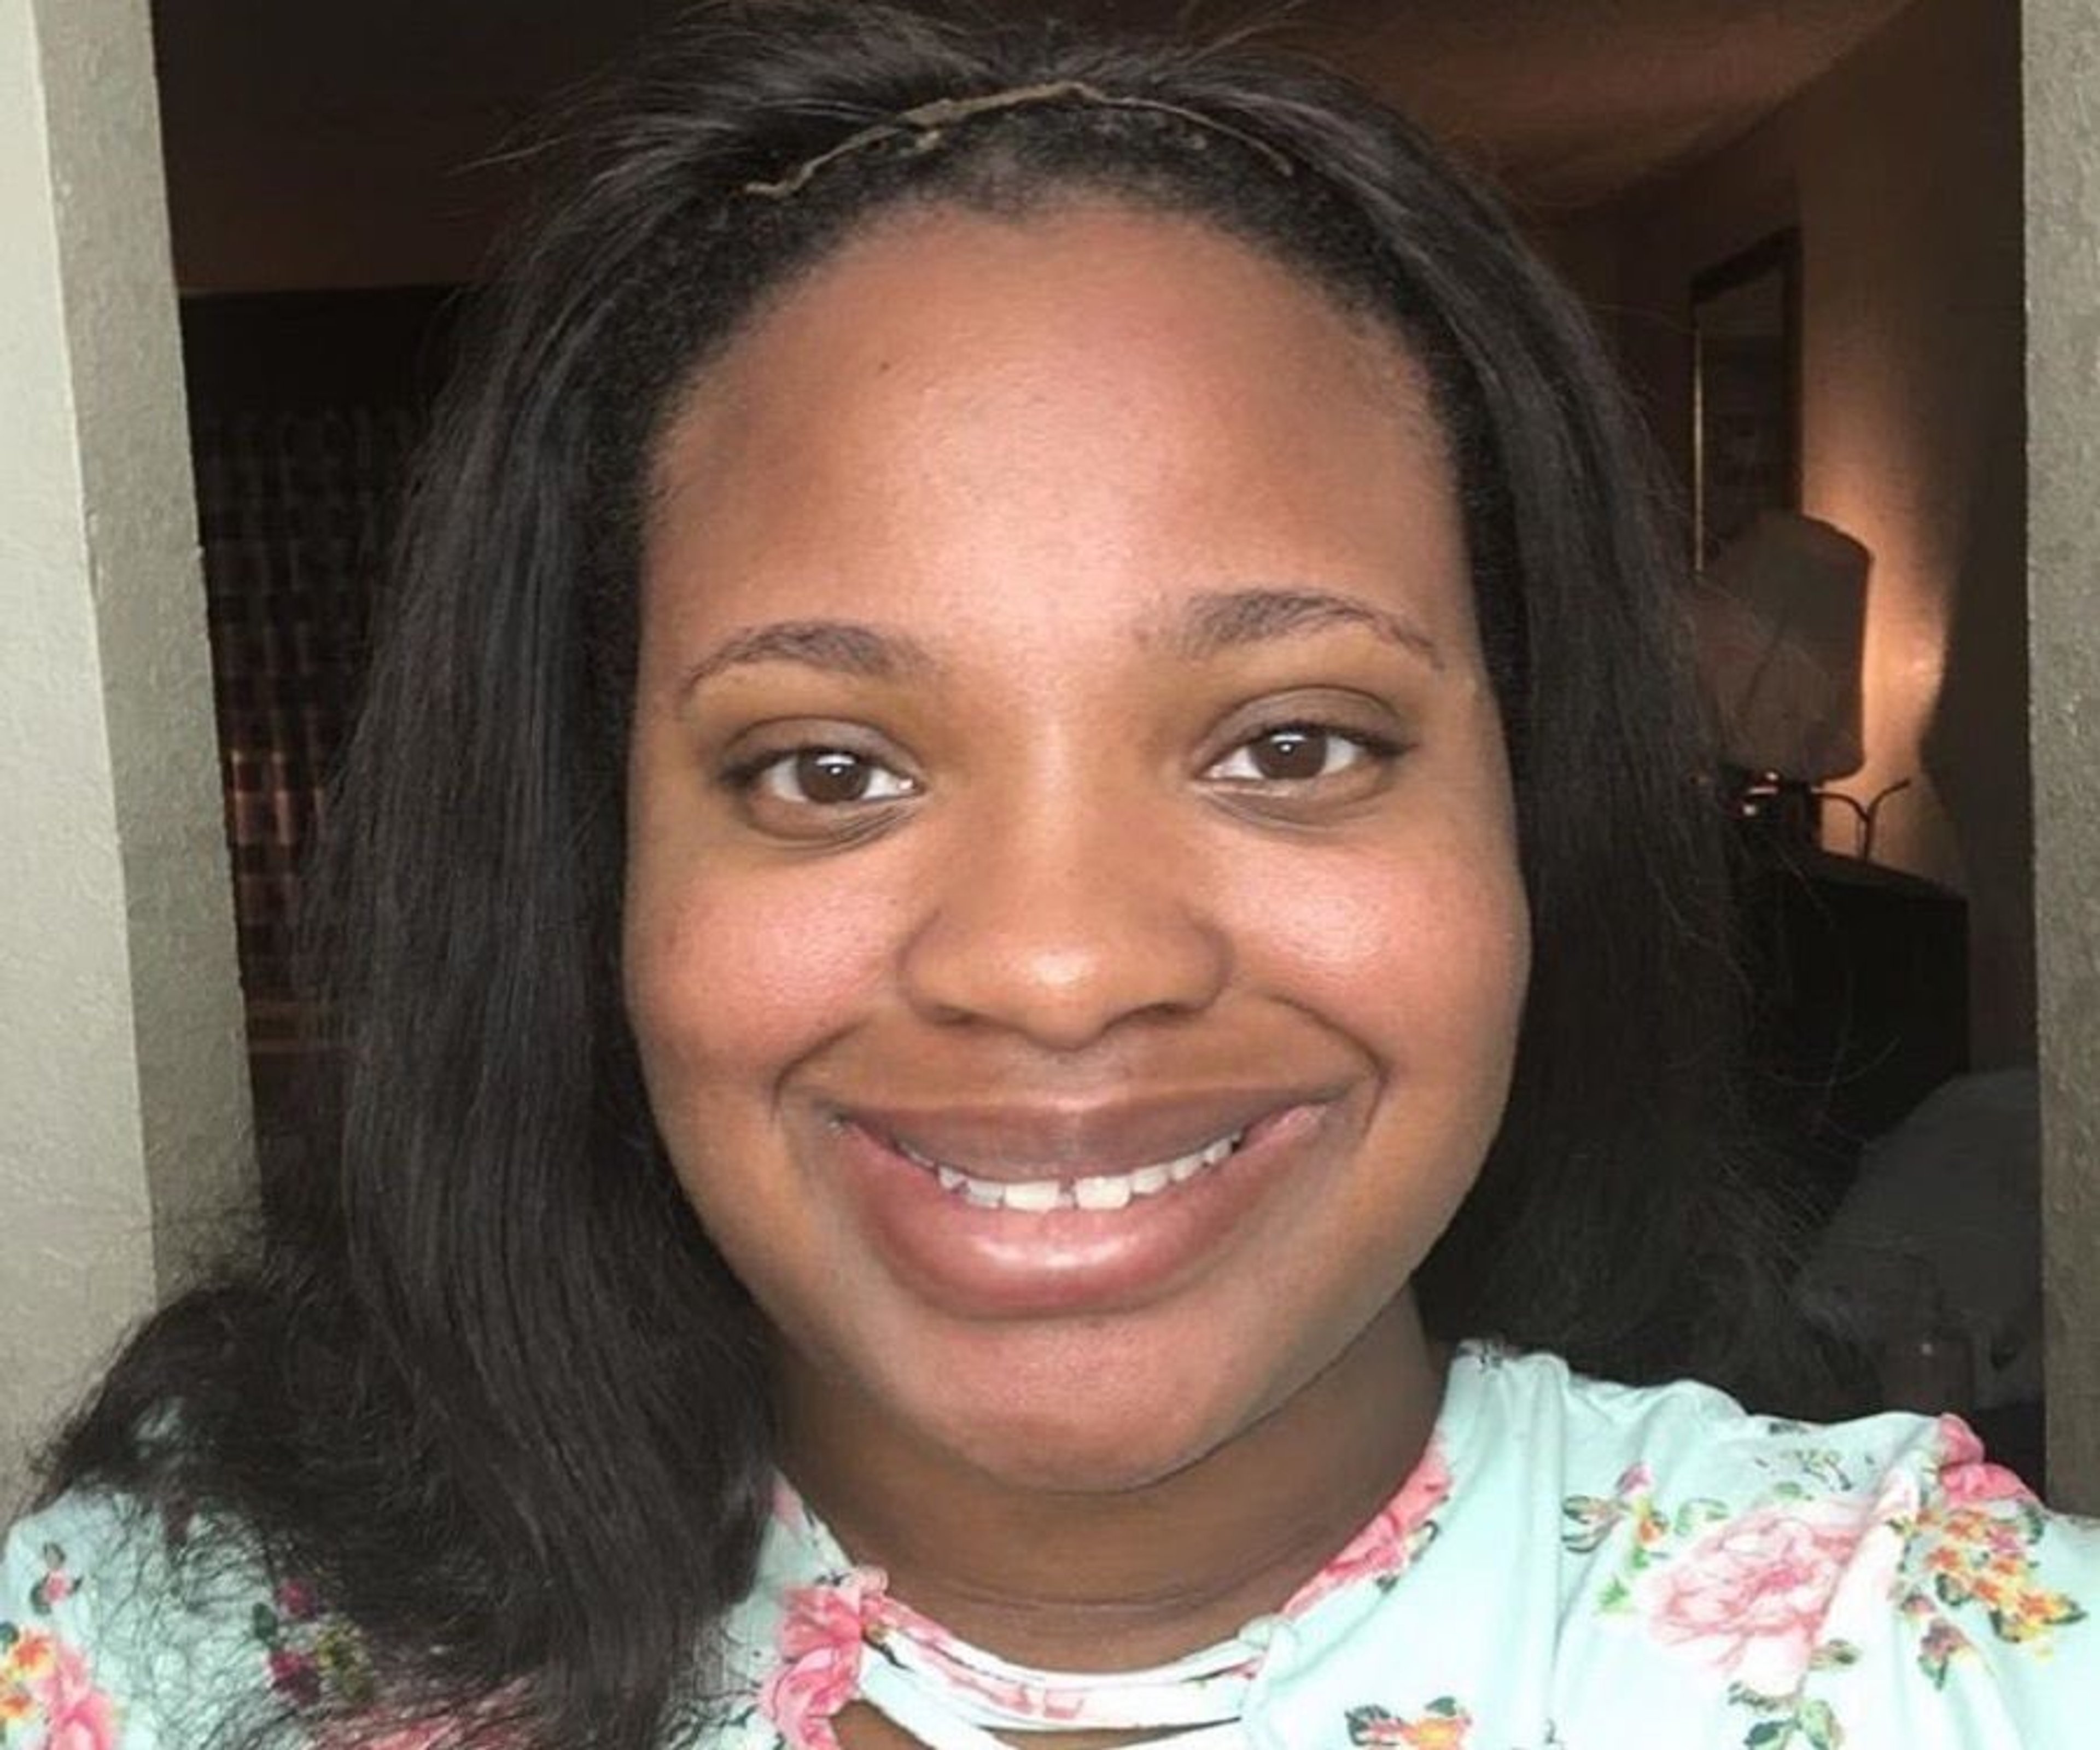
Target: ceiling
{"points": [[1573, 102], [1570, 102]]}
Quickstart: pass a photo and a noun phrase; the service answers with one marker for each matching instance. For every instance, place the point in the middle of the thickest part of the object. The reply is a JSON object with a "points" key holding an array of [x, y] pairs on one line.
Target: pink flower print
{"points": [[1751, 1595], [1031, 1700], [54, 1585], [1966, 1478], [788, 1506], [296, 1599], [77, 1716], [887, 1617], [1443, 1726], [1383, 1550], [295, 1675], [821, 1640]]}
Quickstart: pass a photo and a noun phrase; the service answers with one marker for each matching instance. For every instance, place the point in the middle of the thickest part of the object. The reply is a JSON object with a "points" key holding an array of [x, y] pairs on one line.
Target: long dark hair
{"points": [[490, 1387]]}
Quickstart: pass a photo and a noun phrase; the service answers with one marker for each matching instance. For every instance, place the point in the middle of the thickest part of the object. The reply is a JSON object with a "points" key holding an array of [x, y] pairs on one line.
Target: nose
{"points": [[1057, 924]]}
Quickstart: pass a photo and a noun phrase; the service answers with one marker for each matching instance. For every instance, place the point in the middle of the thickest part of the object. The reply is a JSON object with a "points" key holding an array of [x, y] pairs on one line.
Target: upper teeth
{"points": [[1097, 1191]]}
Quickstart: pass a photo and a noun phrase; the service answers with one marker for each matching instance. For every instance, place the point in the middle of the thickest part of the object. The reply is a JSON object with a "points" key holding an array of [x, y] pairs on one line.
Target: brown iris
{"points": [[832, 774], [1290, 753]]}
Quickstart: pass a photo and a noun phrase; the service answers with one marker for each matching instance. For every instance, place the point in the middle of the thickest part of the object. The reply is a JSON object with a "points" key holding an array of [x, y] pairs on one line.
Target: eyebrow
{"points": [[1205, 627], [838, 646], [1226, 618]]}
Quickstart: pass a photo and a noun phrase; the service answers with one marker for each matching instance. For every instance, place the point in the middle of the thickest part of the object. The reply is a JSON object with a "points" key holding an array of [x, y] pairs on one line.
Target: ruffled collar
{"points": [[839, 1637]]}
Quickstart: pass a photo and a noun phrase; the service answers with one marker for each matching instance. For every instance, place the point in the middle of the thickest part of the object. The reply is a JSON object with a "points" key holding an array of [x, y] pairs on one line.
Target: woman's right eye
{"points": [[821, 778]]}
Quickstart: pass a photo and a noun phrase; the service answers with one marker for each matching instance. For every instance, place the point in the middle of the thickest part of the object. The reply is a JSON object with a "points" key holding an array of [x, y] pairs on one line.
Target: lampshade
{"points": [[1781, 618]]}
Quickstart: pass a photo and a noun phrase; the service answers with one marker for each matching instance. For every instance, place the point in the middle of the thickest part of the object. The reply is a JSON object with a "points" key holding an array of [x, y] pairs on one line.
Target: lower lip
{"points": [[1002, 1263]]}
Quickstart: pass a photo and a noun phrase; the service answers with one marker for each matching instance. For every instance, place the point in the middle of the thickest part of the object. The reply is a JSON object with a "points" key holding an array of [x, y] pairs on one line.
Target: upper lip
{"points": [[1015, 1142]]}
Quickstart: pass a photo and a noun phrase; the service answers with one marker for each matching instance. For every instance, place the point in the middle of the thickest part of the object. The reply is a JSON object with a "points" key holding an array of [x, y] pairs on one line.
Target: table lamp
{"points": [[1780, 620]]}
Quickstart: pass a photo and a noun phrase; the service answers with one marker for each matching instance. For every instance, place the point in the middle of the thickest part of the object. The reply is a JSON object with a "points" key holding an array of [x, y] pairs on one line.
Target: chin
{"points": [[1088, 1454], [1091, 1418]]}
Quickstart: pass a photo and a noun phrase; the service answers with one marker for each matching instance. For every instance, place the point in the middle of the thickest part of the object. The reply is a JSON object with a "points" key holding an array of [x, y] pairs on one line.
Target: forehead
{"points": [[1073, 280], [1117, 380]]}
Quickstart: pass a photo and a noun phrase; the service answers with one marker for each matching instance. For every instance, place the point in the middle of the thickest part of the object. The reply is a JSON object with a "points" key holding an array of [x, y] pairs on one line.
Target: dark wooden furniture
{"points": [[1859, 990]]}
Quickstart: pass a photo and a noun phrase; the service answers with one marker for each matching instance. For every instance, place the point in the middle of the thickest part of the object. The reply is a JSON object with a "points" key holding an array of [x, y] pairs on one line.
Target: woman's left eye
{"points": [[1297, 753]]}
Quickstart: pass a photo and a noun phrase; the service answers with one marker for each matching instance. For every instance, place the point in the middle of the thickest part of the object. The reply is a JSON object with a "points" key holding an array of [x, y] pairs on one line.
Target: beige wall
{"points": [[1902, 168], [2063, 391], [123, 1091]]}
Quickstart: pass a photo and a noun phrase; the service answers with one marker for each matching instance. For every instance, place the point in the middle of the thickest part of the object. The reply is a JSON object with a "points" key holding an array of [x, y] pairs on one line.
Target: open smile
{"points": [[1035, 1160], [1088, 1191], [1014, 1210]]}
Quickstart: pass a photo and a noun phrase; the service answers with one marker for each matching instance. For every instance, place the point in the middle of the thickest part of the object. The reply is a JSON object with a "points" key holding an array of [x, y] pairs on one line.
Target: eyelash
{"points": [[1371, 749], [749, 777]]}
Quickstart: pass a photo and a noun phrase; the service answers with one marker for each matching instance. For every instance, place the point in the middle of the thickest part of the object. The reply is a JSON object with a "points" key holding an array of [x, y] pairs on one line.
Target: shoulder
{"points": [[121, 1629], [1877, 1581]]}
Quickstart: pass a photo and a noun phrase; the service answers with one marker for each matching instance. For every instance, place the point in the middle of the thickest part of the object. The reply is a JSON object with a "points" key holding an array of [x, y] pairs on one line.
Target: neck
{"points": [[1071, 1580]]}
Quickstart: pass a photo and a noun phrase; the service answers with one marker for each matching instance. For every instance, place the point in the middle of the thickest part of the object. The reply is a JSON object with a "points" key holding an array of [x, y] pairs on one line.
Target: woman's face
{"points": [[1073, 929]]}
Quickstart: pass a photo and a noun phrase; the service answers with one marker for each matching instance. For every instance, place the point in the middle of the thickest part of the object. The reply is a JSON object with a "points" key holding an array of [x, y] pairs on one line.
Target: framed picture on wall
{"points": [[1746, 391]]}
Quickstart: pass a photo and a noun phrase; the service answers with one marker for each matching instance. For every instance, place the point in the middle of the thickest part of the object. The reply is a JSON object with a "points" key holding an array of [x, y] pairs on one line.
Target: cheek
{"points": [[1424, 959], [731, 981], [734, 977], [1423, 962]]}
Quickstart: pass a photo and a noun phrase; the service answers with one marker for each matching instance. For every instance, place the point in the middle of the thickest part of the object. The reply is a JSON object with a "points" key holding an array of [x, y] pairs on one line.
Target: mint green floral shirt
{"points": [[1573, 1566]]}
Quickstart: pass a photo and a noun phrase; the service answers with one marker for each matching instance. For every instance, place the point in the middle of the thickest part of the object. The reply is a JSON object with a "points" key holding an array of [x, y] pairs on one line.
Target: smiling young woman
{"points": [[1075, 944], [1026, 940]]}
